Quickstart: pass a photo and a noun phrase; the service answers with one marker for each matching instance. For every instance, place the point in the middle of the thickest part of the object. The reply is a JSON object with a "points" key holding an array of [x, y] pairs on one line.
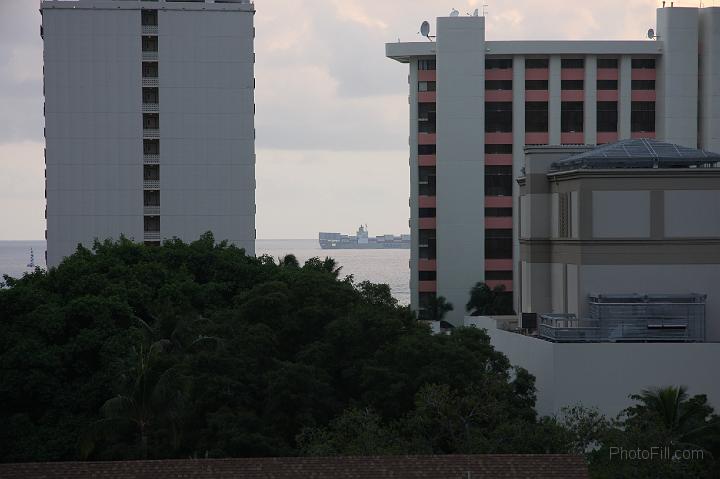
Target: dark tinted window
{"points": [[498, 244], [607, 63], [427, 149], [427, 180], [571, 84], [645, 63], [642, 116], [498, 212], [498, 84], [498, 63], [426, 212], [607, 85], [607, 116], [536, 116], [426, 64], [536, 84], [536, 63], [498, 116], [426, 117], [426, 86], [498, 275], [571, 116], [498, 149], [643, 84], [427, 275], [498, 180], [572, 62]]}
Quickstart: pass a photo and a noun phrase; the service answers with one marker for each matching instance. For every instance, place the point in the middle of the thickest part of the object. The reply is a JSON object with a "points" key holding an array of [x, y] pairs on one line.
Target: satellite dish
{"points": [[425, 29], [651, 34], [454, 13]]}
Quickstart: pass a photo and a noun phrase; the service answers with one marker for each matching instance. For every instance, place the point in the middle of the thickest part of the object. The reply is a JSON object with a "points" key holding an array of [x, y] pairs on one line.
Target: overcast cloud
{"points": [[331, 109]]}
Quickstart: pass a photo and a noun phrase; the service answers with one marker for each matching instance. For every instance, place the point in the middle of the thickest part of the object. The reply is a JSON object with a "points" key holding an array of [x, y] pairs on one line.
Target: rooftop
{"points": [[638, 153], [507, 466]]}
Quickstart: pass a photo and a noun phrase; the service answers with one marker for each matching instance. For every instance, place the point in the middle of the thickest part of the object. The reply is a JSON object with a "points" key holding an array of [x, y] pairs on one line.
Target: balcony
{"points": [[150, 81], [151, 184], [150, 55], [151, 133], [150, 107], [151, 236], [149, 29], [151, 159]]}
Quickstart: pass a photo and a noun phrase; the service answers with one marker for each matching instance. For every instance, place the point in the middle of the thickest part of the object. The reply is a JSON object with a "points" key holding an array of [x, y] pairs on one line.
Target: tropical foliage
{"points": [[486, 301]]}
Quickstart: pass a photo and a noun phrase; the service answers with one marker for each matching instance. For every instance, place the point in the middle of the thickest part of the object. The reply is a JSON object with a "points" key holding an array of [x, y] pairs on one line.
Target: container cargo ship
{"points": [[362, 240]]}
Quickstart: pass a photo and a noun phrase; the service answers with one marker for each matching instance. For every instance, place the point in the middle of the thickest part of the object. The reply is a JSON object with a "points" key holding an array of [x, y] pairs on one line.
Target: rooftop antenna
{"points": [[485, 5], [425, 30]]}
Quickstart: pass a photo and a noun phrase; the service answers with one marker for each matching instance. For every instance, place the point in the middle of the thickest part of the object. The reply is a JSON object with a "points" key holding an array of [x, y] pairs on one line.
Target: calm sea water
{"points": [[388, 266]]}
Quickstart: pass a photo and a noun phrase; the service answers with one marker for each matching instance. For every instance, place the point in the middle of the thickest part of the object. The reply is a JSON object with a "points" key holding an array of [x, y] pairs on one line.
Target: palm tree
{"points": [[289, 261], [487, 302], [437, 307], [151, 402], [685, 420]]}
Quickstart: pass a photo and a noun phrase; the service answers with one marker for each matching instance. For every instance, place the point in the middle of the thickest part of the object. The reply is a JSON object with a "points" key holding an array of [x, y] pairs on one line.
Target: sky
{"points": [[332, 111]]}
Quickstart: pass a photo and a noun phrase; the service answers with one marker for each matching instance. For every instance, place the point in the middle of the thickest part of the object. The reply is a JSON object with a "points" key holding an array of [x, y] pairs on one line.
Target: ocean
{"points": [[388, 266]]}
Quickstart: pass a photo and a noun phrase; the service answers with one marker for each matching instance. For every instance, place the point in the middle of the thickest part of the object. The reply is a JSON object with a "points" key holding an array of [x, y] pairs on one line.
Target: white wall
{"points": [[603, 375], [709, 73]]}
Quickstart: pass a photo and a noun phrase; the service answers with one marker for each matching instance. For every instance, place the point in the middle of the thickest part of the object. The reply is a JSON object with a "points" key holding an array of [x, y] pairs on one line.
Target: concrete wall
{"points": [[603, 375], [709, 73], [93, 127], [621, 214], [677, 76], [692, 213], [460, 158]]}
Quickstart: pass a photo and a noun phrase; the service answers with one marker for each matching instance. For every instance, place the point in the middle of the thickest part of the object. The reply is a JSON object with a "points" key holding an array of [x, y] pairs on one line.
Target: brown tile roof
{"points": [[510, 466]]}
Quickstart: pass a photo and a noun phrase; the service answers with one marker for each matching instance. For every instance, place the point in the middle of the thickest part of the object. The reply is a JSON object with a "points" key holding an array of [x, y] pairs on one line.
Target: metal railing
{"points": [[151, 133], [150, 81], [150, 55], [151, 159], [150, 107], [149, 29], [151, 210], [151, 235], [151, 184]]}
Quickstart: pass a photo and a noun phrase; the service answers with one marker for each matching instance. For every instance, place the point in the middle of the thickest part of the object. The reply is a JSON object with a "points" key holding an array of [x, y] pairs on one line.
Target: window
{"points": [[427, 275], [571, 84], [427, 149], [498, 63], [498, 275], [564, 215], [427, 244], [531, 63], [607, 116], [152, 223], [149, 44], [498, 116], [643, 63], [491, 149], [426, 86], [426, 180], [151, 172], [607, 84], [643, 84], [498, 180], [498, 84], [572, 63], [426, 64], [151, 121], [149, 17], [498, 244], [150, 95], [536, 84], [642, 116], [426, 117], [150, 70], [498, 212], [571, 116], [151, 198], [426, 212], [607, 63], [151, 147], [425, 300], [536, 116]]}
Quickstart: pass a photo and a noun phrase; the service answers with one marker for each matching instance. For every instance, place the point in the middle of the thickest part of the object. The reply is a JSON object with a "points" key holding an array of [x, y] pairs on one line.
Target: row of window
{"points": [[535, 63], [564, 85]]}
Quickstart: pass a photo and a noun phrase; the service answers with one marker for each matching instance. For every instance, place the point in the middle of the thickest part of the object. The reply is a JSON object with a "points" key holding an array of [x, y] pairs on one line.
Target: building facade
{"points": [[149, 121], [475, 104], [628, 234]]}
